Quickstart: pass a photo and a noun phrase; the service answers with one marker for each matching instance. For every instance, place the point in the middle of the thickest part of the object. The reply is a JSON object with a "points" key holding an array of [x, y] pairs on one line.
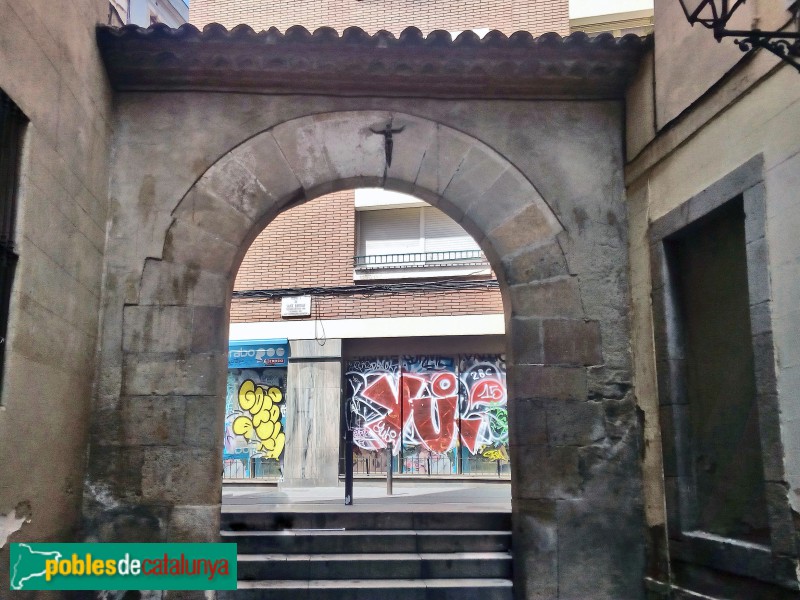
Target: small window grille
{"points": [[11, 123]]}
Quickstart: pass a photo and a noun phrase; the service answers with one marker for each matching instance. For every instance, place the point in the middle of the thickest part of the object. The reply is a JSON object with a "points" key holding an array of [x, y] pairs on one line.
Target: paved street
{"points": [[408, 496]]}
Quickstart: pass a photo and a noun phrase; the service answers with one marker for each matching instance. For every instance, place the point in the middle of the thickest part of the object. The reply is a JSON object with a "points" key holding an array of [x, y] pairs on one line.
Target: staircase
{"points": [[370, 555]]}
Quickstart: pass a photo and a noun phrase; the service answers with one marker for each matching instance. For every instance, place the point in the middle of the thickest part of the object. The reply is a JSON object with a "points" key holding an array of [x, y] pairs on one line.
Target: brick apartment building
{"points": [[354, 260], [398, 294], [536, 16]]}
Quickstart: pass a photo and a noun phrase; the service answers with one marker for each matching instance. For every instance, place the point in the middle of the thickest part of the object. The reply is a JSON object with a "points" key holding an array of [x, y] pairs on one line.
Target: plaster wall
{"points": [[389, 327], [538, 184], [688, 60], [703, 147], [50, 67]]}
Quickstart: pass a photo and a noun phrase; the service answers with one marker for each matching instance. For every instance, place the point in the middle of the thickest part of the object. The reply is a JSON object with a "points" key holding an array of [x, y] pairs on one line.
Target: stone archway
{"points": [[573, 442]]}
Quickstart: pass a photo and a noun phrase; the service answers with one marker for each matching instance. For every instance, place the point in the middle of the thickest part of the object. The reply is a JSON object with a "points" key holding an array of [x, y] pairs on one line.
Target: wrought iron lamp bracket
{"points": [[784, 44]]}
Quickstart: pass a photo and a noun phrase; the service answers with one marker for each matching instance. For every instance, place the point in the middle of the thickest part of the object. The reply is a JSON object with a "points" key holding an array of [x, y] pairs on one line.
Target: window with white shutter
{"points": [[392, 231], [414, 242], [441, 233]]}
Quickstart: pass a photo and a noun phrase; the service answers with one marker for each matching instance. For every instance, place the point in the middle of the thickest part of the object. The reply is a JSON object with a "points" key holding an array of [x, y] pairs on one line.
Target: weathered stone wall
{"points": [[188, 196], [50, 67]]}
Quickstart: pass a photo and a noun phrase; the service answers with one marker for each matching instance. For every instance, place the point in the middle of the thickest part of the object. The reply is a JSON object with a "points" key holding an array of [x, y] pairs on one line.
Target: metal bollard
{"points": [[389, 449], [348, 468]]}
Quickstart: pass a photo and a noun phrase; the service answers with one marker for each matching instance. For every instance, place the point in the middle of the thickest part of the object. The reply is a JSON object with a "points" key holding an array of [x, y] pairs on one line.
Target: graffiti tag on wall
{"points": [[484, 417], [254, 417], [430, 404], [430, 395], [373, 388], [261, 422]]}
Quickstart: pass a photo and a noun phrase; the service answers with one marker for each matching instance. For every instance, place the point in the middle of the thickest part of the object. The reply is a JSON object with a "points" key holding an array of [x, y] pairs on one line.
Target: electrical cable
{"points": [[372, 289]]}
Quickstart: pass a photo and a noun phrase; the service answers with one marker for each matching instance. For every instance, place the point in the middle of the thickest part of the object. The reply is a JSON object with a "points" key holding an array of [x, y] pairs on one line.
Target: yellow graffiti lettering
{"points": [[243, 426], [247, 396], [251, 396], [264, 427], [261, 417], [495, 454], [273, 447]]}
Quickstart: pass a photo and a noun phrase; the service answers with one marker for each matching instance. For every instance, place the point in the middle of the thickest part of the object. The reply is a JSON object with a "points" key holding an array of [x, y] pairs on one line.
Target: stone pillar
{"points": [[313, 398]]}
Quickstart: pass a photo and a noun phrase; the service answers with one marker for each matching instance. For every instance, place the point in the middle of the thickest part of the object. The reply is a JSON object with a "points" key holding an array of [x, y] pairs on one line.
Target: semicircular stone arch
{"points": [[305, 158], [174, 327]]}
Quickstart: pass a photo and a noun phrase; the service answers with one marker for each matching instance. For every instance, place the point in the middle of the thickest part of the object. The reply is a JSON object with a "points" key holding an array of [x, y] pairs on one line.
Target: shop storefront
{"points": [[255, 409], [441, 415]]}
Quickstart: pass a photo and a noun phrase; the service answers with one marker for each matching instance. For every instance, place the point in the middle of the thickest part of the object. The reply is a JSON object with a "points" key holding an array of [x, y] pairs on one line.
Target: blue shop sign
{"points": [[254, 354]]}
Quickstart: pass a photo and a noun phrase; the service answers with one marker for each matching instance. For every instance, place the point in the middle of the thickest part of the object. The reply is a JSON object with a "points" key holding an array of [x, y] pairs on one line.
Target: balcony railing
{"points": [[408, 260]]}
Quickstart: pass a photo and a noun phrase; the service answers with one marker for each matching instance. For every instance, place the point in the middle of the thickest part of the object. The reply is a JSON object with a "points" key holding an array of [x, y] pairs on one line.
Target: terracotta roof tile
{"points": [[356, 63]]}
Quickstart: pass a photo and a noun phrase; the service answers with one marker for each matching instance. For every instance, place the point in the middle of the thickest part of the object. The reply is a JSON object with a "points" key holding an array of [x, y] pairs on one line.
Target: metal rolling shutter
{"points": [[441, 233]]}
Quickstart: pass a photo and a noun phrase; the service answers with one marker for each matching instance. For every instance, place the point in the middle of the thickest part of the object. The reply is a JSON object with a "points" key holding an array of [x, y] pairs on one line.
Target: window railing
{"points": [[407, 260]]}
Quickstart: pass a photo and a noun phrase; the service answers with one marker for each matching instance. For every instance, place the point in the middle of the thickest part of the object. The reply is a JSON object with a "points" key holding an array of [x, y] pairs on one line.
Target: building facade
{"points": [[391, 282], [55, 197], [394, 16], [148, 12], [712, 139], [650, 287]]}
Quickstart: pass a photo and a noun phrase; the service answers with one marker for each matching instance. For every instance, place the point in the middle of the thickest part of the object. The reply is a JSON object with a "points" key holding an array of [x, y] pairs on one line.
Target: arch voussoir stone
{"points": [[508, 194], [334, 146], [556, 297], [164, 282], [264, 159], [233, 183], [207, 211], [441, 160], [477, 172], [196, 247], [528, 227], [533, 263]]}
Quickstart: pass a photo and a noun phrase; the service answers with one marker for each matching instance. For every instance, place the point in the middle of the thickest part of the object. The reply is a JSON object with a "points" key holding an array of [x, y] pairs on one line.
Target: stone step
{"points": [[447, 565], [419, 521], [376, 589], [361, 541]]}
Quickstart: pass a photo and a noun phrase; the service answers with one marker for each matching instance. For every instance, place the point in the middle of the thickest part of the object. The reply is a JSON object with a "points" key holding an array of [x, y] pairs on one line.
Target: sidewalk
{"points": [[461, 496]]}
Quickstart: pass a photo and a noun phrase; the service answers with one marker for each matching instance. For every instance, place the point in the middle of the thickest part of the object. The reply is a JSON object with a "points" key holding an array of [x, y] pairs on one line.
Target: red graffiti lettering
{"points": [[486, 391], [470, 430], [434, 420], [382, 393]]}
